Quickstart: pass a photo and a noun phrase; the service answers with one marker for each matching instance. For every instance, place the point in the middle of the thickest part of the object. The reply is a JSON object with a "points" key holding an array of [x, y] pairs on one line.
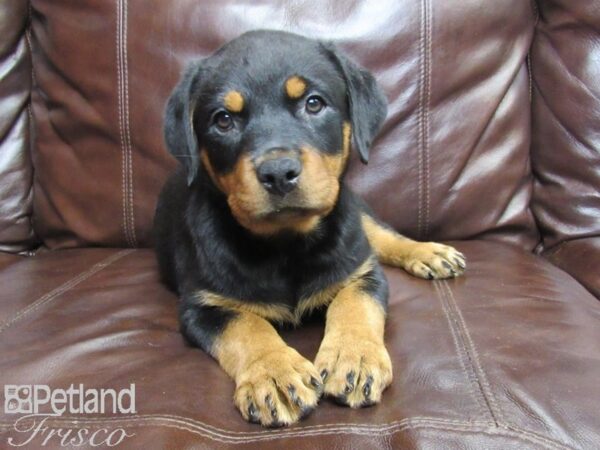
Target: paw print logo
{"points": [[17, 399]]}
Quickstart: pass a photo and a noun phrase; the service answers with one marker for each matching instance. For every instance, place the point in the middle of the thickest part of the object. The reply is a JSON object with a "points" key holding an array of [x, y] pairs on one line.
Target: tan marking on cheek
{"points": [[336, 163], [245, 196], [319, 181], [295, 87], [248, 201], [209, 168], [234, 102]]}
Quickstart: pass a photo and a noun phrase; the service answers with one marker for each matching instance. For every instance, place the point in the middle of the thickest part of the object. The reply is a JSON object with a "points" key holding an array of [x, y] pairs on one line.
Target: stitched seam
{"points": [[420, 120], [33, 83], [482, 379], [426, 106], [530, 76], [543, 439], [463, 356], [125, 65], [196, 423], [423, 118], [122, 125], [28, 38], [399, 426], [120, 115], [68, 285], [536, 11]]}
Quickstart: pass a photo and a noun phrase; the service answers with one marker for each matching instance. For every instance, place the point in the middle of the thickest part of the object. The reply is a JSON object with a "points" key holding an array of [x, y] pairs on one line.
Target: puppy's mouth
{"points": [[292, 212]]}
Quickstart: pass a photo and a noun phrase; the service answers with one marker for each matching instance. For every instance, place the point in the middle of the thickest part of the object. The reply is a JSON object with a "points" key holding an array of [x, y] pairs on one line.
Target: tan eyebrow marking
{"points": [[234, 102], [295, 87]]}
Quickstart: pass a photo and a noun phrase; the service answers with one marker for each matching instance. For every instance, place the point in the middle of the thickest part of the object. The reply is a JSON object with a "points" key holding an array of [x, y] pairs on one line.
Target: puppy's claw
{"points": [[349, 382], [431, 260]]}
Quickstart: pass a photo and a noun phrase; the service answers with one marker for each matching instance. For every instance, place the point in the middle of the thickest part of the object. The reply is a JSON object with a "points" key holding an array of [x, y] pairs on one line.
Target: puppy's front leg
{"points": [[352, 359], [422, 259], [275, 385]]}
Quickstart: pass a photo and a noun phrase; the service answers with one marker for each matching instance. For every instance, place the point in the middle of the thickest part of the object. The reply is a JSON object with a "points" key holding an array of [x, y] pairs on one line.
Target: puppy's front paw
{"points": [[355, 371], [278, 389], [434, 261]]}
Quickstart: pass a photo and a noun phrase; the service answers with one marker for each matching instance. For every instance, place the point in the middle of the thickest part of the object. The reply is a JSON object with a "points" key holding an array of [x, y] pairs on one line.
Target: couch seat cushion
{"points": [[505, 357]]}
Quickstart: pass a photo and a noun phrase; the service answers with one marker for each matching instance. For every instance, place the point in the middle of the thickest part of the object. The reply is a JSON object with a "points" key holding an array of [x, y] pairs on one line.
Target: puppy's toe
{"points": [[355, 371], [431, 260], [278, 389]]}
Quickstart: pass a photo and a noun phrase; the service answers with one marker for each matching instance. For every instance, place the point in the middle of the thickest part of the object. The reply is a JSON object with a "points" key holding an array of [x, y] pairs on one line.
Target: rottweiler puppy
{"points": [[257, 228]]}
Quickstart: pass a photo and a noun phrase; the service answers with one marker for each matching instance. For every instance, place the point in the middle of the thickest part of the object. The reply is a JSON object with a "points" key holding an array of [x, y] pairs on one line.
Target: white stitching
{"points": [[125, 65], [120, 115], [124, 135], [28, 38], [462, 355], [530, 76], [485, 385], [426, 106], [536, 436], [33, 82], [66, 286], [420, 119], [387, 429], [536, 12], [98, 421]]}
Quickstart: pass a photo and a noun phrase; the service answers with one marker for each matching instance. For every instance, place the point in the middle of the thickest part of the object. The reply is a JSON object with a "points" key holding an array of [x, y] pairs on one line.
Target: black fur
{"points": [[199, 243]]}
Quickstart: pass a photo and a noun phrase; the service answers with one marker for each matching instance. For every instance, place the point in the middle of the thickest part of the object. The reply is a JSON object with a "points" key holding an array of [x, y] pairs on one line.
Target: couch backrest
{"points": [[565, 58], [452, 161], [16, 232]]}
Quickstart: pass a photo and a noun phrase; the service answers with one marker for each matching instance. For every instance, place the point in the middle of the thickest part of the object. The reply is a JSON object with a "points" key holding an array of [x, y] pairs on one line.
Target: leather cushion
{"points": [[505, 357]]}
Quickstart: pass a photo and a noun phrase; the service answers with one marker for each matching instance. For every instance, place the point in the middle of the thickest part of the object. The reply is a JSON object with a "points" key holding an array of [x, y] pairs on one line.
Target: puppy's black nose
{"points": [[279, 175]]}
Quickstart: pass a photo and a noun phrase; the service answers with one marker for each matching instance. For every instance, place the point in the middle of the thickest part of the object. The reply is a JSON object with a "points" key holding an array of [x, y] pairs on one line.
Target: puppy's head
{"points": [[270, 118]]}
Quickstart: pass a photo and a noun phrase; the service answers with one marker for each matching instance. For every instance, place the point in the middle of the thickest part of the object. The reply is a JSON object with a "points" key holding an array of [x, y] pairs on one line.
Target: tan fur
{"points": [[319, 182], [273, 312], [354, 343], [336, 163], [295, 87], [317, 190], [264, 368], [234, 102], [278, 312], [422, 259]]}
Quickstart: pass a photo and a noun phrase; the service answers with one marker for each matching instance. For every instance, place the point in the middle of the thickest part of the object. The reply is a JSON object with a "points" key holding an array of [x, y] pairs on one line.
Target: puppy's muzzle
{"points": [[279, 175]]}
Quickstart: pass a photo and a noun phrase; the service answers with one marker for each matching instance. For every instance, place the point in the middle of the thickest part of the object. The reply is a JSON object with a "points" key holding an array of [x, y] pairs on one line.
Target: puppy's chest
{"points": [[285, 296]]}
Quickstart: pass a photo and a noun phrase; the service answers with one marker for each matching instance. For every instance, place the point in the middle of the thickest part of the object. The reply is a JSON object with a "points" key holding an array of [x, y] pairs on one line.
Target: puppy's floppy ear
{"points": [[179, 121], [367, 104]]}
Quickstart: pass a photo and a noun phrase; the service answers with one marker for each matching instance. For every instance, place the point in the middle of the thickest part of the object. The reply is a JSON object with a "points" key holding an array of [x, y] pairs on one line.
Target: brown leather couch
{"points": [[492, 143]]}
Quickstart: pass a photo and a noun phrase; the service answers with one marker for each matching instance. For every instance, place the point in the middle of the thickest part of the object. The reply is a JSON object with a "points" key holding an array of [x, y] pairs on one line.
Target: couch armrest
{"points": [[581, 259]]}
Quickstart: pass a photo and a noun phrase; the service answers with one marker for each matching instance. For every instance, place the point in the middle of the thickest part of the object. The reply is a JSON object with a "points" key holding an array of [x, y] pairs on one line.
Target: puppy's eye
{"points": [[314, 104], [223, 121]]}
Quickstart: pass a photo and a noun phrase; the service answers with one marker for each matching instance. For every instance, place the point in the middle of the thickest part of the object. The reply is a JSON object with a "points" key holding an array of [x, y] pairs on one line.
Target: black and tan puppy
{"points": [[257, 226]]}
